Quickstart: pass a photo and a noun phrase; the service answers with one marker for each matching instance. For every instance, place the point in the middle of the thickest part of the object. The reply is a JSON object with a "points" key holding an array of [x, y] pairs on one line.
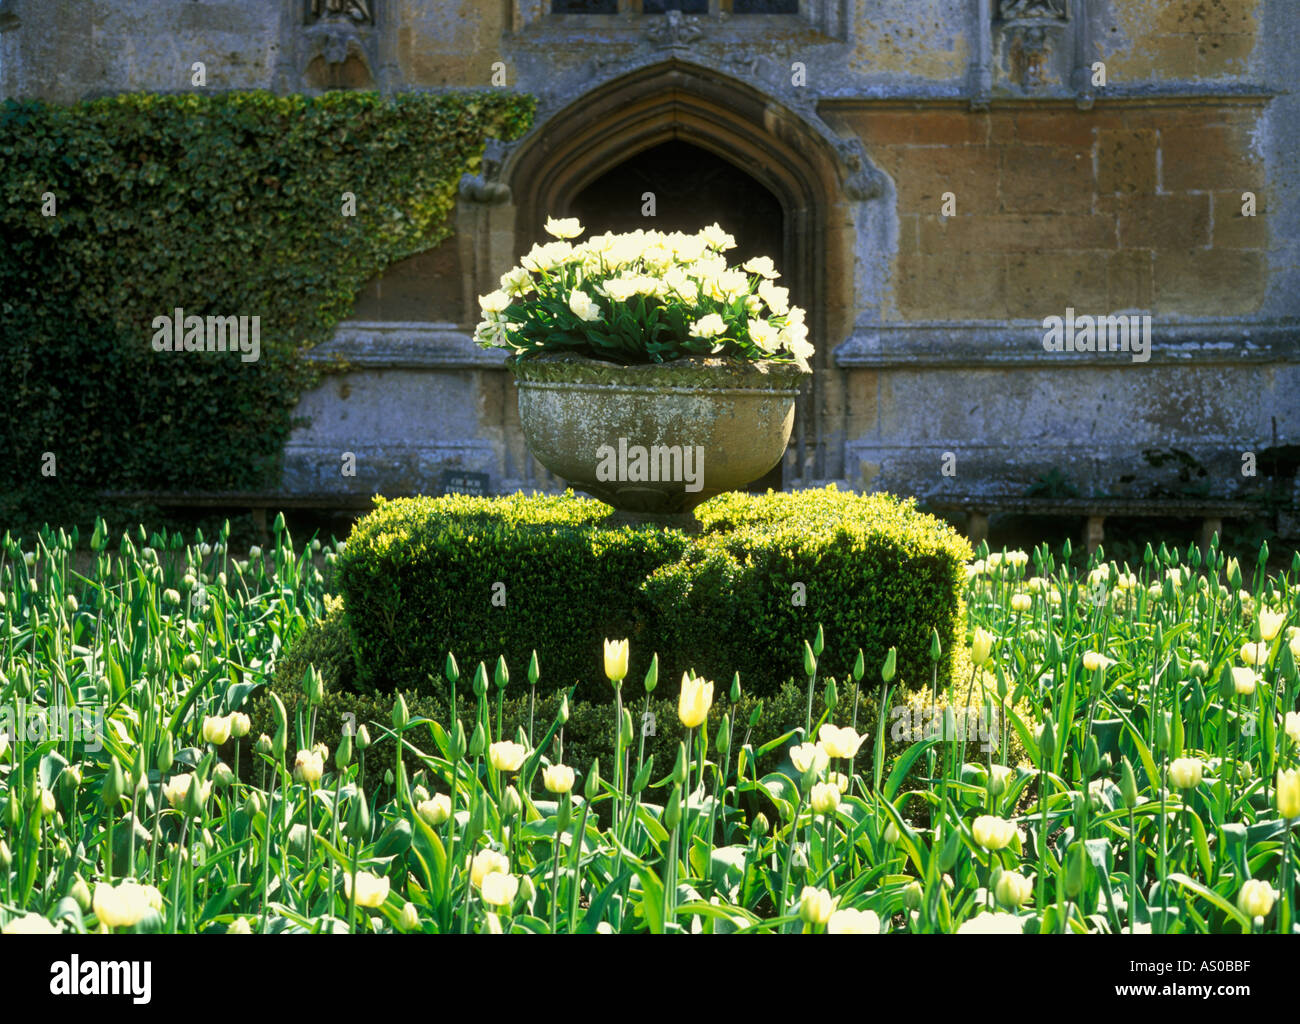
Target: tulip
{"points": [[499, 889], [991, 924], [841, 781], [616, 660], [1291, 726], [892, 835], [485, 863], [825, 797], [1255, 899], [839, 742], [1092, 660], [240, 725], [372, 890], [126, 904], [1000, 777], [816, 905], [558, 778], [29, 924], [1288, 793], [1244, 680], [981, 648], [435, 810], [507, 756], [1185, 772], [695, 700], [1021, 602], [1013, 889], [239, 926], [853, 922], [806, 754], [993, 833], [1270, 622], [308, 767], [1254, 654], [178, 788], [409, 919]]}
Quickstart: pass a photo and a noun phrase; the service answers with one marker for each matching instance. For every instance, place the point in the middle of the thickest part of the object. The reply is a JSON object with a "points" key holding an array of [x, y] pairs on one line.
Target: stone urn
{"points": [[654, 440]]}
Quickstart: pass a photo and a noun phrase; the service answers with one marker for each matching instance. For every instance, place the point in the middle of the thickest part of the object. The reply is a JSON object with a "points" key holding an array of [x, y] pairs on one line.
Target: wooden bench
{"points": [[256, 502], [1211, 511]]}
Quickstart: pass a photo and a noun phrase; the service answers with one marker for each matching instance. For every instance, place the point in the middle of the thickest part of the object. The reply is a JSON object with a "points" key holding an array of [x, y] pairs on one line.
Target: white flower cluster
{"points": [[610, 278]]}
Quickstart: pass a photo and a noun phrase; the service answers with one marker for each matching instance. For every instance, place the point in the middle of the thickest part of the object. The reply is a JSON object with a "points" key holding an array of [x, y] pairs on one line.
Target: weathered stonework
{"points": [[950, 172]]}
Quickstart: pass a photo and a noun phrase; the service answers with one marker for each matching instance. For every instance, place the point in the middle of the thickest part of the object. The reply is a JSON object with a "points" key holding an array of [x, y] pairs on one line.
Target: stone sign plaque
{"points": [[455, 481]]}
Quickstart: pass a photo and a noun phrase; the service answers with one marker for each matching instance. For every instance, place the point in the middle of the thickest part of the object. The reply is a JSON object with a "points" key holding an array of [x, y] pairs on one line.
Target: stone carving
{"points": [[8, 16], [675, 29], [1029, 49], [1045, 10], [474, 188], [861, 180], [356, 11]]}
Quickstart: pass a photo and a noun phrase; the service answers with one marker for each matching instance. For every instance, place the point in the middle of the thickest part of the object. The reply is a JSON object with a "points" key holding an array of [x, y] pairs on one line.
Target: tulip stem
{"points": [[1284, 911]]}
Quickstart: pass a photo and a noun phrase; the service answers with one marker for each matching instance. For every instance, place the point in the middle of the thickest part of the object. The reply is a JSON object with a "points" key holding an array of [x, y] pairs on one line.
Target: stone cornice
{"points": [[405, 345], [987, 344]]}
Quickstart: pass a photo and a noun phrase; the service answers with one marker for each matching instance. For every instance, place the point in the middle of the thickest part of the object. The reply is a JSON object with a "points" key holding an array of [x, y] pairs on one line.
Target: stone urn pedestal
{"points": [[657, 439]]}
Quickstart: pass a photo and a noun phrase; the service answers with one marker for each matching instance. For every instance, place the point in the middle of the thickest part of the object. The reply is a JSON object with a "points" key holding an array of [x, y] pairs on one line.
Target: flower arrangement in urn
{"points": [[649, 343]]}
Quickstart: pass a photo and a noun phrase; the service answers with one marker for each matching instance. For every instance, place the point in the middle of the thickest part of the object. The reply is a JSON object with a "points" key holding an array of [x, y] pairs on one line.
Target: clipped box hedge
{"points": [[419, 577]]}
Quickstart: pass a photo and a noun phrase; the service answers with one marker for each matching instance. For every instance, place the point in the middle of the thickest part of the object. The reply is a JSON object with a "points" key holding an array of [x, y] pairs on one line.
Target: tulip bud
{"points": [[511, 804], [679, 766], [255, 804], [502, 675], [401, 716], [533, 671], [809, 660], [627, 731], [673, 809], [888, 669], [563, 715], [761, 825], [409, 919], [262, 746], [951, 849], [480, 680], [1012, 889], [359, 817], [80, 892], [652, 674], [913, 894], [458, 740], [343, 755], [1076, 871], [592, 789], [819, 641], [477, 740], [451, 670], [832, 696], [313, 685], [643, 776], [723, 741], [1047, 738]]}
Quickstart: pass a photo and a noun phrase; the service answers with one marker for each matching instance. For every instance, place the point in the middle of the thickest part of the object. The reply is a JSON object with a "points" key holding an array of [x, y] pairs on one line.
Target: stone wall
{"points": [[862, 117]]}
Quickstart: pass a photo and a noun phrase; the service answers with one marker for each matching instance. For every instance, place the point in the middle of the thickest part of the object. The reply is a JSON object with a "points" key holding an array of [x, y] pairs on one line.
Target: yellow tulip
{"points": [[981, 647], [178, 788], [1092, 660], [125, 904], [29, 924], [1269, 623], [1021, 602], [1185, 772], [695, 700], [507, 756], [825, 797], [1255, 898], [853, 922], [435, 810], [806, 754], [997, 923], [216, 730], [558, 778], [993, 833], [1013, 889], [1288, 793], [616, 660], [1244, 680], [816, 905], [499, 889], [839, 742], [1254, 654], [485, 863], [1291, 726], [308, 767], [372, 890], [240, 724]]}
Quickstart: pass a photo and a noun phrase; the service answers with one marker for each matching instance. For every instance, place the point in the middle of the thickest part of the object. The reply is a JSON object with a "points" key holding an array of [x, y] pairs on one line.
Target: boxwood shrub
{"points": [[486, 576]]}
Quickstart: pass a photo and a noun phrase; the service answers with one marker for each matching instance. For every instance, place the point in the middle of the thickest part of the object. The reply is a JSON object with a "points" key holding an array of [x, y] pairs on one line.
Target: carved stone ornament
{"points": [[355, 11], [675, 29], [1033, 10]]}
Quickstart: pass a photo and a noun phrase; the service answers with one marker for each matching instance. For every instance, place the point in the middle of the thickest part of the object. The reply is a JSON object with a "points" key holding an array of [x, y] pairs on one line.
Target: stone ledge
{"points": [[406, 345], [993, 344]]}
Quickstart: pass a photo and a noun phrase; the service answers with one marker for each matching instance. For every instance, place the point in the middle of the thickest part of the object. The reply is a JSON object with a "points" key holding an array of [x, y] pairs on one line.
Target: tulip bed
{"points": [[1158, 789]]}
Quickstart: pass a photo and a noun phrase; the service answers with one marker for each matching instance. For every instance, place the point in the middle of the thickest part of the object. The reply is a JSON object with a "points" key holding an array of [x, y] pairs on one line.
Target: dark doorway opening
{"points": [[692, 189]]}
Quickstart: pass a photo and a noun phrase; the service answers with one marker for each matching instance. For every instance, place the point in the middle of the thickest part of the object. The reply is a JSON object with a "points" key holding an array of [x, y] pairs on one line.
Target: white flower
{"points": [[761, 265], [991, 924], [29, 924], [716, 238], [853, 922], [763, 334], [806, 754], [567, 227], [494, 302], [517, 282], [582, 306], [620, 289], [776, 297], [710, 326], [541, 258]]}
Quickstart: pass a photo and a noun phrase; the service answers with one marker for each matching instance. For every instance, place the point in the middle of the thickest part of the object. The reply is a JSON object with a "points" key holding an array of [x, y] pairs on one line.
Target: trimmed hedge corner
{"points": [[488, 576]]}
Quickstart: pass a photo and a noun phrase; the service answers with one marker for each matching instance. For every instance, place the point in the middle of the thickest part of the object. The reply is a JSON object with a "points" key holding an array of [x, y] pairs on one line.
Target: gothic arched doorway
{"points": [[719, 150]]}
